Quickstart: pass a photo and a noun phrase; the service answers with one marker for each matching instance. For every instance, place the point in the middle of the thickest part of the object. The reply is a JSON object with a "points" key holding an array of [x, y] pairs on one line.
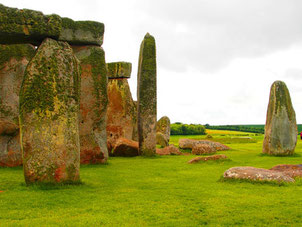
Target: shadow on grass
{"points": [[255, 182], [287, 156], [53, 186]]}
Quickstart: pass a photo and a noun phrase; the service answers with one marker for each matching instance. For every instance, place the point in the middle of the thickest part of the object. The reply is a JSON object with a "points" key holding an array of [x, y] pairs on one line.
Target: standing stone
{"points": [[93, 104], [146, 94], [122, 112], [49, 107], [163, 131], [13, 61], [280, 128]]}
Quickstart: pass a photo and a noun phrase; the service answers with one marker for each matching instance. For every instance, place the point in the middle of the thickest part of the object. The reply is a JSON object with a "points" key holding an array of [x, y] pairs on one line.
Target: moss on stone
{"points": [[38, 92], [282, 98], [82, 32], [119, 70], [30, 26], [147, 74], [96, 59], [17, 51], [147, 100], [19, 26]]}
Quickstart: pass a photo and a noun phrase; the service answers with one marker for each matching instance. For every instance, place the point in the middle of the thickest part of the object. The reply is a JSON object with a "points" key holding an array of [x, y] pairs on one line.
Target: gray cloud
{"points": [[207, 35], [293, 73]]}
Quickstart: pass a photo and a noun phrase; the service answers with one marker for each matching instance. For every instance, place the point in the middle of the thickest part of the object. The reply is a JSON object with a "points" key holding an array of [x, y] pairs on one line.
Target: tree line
{"points": [[179, 128]]}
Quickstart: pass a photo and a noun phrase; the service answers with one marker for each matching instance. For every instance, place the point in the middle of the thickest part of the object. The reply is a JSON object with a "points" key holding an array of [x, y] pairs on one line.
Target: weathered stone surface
{"points": [[81, 32], [169, 150], [93, 104], [119, 70], [189, 143], [121, 113], [13, 61], [49, 109], [256, 174], [208, 158], [163, 126], [289, 170], [125, 148], [280, 128], [29, 26], [146, 94], [161, 139], [199, 149]]}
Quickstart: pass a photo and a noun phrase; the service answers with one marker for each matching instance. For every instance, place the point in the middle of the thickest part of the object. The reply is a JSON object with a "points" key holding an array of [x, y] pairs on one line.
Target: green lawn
{"points": [[160, 191]]}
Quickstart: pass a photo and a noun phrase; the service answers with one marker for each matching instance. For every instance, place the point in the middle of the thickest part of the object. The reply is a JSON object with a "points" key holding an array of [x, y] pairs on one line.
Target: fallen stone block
{"points": [[208, 158], [256, 174]]}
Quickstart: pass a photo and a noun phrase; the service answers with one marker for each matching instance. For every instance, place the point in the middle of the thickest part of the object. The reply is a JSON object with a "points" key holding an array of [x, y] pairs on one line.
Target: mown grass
{"points": [[161, 191]]}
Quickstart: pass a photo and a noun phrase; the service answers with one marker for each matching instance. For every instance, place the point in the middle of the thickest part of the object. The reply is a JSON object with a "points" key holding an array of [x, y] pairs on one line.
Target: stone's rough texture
{"points": [[208, 158], [49, 108], [163, 126], [81, 32], [289, 170], [256, 174], [189, 144], [280, 128], [125, 148], [13, 61], [146, 94], [199, 149], [121, 113], [169, 150], [29, 26], [161, 139], [119, 70], [93, 104]]}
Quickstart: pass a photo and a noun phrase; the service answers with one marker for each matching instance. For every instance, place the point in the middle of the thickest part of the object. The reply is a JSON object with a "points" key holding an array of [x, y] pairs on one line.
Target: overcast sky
{"points": [[216, 59]]}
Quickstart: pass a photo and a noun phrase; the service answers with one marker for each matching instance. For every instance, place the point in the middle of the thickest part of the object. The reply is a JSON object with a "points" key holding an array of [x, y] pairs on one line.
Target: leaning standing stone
{"points": [[280, 128], [49, 107], [13, 61], [146, 94], [93, 104]]}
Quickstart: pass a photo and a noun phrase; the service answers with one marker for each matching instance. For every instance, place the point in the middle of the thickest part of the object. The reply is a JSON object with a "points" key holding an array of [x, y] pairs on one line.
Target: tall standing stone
{"points": [[280, 128], [122, 111], [146, 94], [49, 108], [93, 104], [13, 61]]}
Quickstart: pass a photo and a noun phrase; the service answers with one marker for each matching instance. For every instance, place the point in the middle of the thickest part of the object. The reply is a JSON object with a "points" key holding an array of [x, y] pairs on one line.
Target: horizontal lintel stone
{"points": [[119, 70], [30, 26]]}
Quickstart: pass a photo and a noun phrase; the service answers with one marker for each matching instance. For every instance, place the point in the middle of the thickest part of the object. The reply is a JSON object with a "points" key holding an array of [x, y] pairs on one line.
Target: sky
{"points": [[216, 59]]}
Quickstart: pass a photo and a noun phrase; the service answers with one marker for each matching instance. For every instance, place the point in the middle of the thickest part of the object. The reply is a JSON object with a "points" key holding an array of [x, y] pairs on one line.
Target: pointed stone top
{"points": [[119, 70], [147, 36]]}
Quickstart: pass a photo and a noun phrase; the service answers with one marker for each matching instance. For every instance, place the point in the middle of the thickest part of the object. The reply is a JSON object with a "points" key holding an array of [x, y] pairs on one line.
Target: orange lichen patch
{"points": [[59, 173], [25, 30], [86, 70], [1, 191]]}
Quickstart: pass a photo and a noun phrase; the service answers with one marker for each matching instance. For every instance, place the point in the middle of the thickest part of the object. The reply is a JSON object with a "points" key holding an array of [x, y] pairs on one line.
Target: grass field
{"points": [[160, 191]]}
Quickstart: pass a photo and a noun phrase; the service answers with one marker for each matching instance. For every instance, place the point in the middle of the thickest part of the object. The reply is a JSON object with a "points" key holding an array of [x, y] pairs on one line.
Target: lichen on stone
{"points": [[147, 99], [119, 70]]}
